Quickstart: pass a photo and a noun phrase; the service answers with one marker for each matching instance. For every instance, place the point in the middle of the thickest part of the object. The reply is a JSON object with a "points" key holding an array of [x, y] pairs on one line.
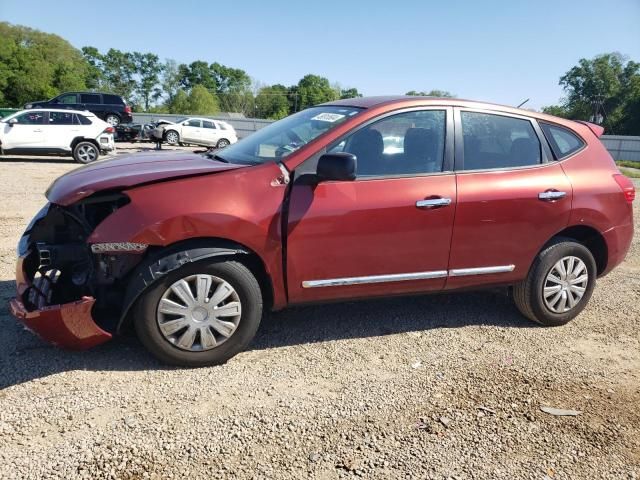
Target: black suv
{"points": [[110, 108]]}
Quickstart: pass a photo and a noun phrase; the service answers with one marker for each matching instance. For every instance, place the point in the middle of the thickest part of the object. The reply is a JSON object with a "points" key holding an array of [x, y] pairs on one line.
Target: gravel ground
{"points": [[442, 386]]}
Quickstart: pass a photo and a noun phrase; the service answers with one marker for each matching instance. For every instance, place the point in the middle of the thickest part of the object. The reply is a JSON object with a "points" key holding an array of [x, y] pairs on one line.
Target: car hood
{"points": [[128, 171]]}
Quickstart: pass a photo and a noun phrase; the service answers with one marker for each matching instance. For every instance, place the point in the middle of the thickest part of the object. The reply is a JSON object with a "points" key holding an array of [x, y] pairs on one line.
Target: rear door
{"points": [[210, 132], [93, 103], [512, 197], [60, 129], [387, 232]]}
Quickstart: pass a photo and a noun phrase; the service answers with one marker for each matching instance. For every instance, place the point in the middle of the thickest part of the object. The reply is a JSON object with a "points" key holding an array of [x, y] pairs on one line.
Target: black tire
{"points": [[529, 294], [223, 142], [249, 293], [169, 135], [86, 152], [111, 118]]}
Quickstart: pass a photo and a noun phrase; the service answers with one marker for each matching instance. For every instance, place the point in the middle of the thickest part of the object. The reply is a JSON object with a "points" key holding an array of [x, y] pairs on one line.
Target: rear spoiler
{"points": [[596, 129]]}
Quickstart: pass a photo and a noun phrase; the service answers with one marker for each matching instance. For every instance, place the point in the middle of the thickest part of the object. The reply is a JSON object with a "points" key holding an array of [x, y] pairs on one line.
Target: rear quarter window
{"points": [[562, 140], [82, 120], [112, 99]]}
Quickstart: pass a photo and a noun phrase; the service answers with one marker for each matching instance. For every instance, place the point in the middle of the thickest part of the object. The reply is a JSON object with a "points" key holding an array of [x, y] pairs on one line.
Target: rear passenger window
{"points": [[89, 98], [207, 124], [563, 142], [60, 118], [496, 141]]}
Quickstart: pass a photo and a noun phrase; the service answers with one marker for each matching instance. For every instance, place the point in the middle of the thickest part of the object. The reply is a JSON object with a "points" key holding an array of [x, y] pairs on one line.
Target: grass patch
{"points": [[630, 173], [628, 163]]}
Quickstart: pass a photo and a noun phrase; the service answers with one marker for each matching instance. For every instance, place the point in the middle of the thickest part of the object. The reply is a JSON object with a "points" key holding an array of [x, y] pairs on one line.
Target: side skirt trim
{"points": [[403, 277]]}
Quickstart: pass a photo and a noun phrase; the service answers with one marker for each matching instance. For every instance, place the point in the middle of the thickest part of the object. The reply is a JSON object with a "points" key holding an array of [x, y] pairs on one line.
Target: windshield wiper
{"points": [[216, 156]]}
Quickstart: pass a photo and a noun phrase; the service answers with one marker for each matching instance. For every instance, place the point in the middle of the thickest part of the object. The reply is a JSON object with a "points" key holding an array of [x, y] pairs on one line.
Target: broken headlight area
{"points": [[59, 266]]}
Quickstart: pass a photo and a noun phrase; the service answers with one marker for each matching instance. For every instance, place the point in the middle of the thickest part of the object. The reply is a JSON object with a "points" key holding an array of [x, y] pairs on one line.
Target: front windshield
{"points": [[285, 136]]}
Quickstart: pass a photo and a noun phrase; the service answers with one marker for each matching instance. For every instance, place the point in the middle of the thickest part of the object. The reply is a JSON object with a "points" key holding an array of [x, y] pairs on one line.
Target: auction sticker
{"points": [[328, 117]]}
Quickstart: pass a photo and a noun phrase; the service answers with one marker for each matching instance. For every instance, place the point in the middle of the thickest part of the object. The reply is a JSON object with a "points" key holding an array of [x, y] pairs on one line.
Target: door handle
{"points": [[551, 195], [433, 203]]}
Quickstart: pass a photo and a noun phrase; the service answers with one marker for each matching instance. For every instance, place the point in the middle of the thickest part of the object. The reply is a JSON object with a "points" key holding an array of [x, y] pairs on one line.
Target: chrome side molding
{"points": [[461, 272], [403, 277], [396, 277]]}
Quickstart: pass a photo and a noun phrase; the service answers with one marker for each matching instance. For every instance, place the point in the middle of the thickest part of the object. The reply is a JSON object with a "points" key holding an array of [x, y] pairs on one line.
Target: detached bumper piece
{"points": [[68, 325]]}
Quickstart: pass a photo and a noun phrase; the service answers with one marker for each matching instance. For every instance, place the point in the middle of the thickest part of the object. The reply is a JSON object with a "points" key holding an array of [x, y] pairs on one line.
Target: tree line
{"points": [[35, 65]]}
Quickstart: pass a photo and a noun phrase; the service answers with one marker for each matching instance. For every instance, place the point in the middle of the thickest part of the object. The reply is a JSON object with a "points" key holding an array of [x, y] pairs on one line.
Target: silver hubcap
{"points": [[565, 284], [113, 120], [87, 153], [199, 312], [223, 143], [172, 137]]}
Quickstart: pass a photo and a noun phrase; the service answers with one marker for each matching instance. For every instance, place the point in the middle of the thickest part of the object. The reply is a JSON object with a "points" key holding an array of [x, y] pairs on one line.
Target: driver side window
{"points": [[409, 143]]}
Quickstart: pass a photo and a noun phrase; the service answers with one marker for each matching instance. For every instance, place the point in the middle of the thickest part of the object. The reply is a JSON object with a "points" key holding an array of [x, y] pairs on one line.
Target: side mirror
{"points": [[12, 122], [339, 166]]}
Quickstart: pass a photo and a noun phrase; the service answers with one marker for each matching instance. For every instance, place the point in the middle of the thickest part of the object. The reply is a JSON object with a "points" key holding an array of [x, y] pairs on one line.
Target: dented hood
{"points": [[128, 171]]}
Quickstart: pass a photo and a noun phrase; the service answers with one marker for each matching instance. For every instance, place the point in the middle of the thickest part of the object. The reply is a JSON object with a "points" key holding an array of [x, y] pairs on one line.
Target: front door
{"points": [[512, 198], [210, 133], [191, 130], [387, 232], [25, 133]]}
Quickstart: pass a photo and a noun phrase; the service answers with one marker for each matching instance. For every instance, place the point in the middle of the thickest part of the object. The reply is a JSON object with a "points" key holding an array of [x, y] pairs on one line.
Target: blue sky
{"points": [[493, 50]]}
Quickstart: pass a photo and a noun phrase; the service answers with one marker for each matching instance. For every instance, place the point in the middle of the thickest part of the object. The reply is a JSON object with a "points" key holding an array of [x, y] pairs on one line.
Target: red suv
{"points": [[352, 199]]}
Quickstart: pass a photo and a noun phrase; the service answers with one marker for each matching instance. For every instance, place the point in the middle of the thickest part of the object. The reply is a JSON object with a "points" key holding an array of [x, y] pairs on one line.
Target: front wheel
{"points": [[86, 152], [172, 137], [559, 284], [200, 314]]}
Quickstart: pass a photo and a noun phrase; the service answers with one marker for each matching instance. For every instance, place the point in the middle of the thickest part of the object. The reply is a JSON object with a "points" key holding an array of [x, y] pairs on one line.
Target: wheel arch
{"points": [[77, 140], [590, 238], [159, 261]]}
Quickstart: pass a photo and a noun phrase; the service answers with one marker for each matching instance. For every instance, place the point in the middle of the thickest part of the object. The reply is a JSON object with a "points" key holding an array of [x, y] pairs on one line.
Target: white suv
{"points": [[52, 131], [198, 131]]}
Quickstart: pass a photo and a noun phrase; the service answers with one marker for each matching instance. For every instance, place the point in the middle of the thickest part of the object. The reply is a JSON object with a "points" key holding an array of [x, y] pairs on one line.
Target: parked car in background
{"points": [[197, 131], [358, 198], [56, 132], [106, 106]]}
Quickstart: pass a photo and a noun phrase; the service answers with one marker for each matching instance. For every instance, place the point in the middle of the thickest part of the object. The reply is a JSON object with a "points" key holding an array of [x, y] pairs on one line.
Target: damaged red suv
{"points": [[353, 199]]}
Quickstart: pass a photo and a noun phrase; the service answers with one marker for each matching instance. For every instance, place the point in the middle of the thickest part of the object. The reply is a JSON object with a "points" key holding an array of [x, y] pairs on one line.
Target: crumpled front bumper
{"points": [[69, 325]]}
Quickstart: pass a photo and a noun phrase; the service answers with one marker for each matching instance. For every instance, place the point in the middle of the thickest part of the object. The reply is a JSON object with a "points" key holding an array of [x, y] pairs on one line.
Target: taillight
{"points": [[109, 130], [627, 187], [127, 109]]}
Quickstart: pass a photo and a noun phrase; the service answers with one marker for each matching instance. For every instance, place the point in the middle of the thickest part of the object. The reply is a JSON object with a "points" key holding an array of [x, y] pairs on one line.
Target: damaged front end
{"points": [[69, 291]]}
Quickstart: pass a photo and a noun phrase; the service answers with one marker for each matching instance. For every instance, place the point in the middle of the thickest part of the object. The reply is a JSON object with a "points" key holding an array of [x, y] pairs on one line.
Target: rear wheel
{"points": [[86, 152], [112, 119], [223, 142], [200, 314], [559, 284]]}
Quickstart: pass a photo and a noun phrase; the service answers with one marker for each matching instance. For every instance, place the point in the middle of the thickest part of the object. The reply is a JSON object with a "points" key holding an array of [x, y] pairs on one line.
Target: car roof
{"points": [[400, 101], [63, 110]]}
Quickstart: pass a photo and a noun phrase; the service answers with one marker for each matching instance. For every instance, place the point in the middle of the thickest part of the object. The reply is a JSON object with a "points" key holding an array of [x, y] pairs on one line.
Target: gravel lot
{"points": [[442, 386]]}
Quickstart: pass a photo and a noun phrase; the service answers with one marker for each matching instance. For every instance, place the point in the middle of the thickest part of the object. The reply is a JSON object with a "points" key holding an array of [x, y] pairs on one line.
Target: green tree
{"points": [[170, 81], [431, 93], [313, 89], [179, 103], [95, 77], [349, 93], [148, 69], [202, 102], [272, 102], [606, 86], [36, 65], [197, 73], [233, 88]]}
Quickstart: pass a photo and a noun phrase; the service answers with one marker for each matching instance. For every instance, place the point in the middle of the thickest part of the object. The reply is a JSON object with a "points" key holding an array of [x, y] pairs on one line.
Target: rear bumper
{"points": [[69, 325], [618, 242]]}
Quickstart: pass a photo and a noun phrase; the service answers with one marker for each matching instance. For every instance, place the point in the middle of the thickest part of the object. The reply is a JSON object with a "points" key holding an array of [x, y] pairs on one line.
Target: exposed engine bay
{"points": [[61, 267]]}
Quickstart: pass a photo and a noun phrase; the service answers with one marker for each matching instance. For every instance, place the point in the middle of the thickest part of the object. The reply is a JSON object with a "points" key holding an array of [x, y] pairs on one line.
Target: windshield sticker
{"points": [[328, 117]]}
